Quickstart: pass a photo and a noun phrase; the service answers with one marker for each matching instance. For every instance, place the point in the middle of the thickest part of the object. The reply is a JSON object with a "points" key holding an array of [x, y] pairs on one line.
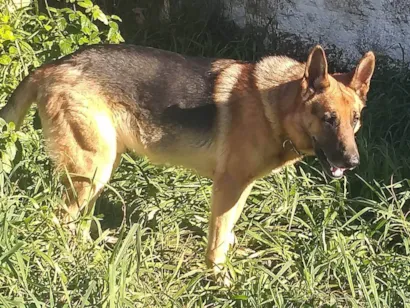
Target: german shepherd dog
{"points": [[229, 120]]}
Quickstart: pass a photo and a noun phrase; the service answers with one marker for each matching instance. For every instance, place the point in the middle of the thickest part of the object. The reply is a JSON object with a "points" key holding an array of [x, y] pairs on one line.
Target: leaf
{"points": [[5, 60], [85, 24], [10, 252], [83, 40], [5, 19], [96, 40], [98, 14], [115, 17], [72, 17], [61, 24], [12, 126], [94, 28], [13, 50], [86, 30], [86, 4], [113, 25], [8, 35], [114, 37], [85, 297], [5, 163], [11, 151], [65, 46]]}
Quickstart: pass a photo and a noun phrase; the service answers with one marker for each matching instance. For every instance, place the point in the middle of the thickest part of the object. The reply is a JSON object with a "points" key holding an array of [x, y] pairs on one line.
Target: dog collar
{"points": [[293, 148]]}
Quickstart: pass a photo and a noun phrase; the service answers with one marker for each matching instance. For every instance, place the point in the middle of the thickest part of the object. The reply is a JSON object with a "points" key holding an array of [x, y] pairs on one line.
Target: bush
{"points": [[29, 37]]}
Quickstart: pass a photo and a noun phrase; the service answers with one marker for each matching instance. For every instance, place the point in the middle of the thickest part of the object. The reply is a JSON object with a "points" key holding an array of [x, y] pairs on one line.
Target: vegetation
{"points": [[304, 240]]}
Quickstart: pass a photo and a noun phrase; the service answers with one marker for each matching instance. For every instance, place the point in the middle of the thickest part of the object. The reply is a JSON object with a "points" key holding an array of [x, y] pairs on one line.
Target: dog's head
{"points": [[331, 106]]}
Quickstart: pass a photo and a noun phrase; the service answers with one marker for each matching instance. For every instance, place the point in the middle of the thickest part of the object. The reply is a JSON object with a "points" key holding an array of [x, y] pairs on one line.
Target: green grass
{"points": [[304, 241]]}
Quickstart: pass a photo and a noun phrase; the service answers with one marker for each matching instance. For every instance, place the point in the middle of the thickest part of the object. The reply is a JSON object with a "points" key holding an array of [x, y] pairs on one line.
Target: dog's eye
{"points": [[355, 119], [330, 118]]}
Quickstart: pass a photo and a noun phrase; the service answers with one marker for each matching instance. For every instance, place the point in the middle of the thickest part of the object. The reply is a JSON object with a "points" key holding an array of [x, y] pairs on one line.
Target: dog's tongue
{"points": [[337, 172]]}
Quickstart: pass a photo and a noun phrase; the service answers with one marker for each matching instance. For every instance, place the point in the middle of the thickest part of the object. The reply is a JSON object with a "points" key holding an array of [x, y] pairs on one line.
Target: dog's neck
{"points": [[281, 104]]}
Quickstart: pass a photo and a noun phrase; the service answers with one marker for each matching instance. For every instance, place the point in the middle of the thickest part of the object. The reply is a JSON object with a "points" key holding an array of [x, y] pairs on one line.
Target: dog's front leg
{"points": [[228, 198]]}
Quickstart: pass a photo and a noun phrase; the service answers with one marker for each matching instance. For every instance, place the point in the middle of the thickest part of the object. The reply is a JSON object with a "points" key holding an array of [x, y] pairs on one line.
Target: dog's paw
{"points": [[223, 278], [220, 275], [220, 271]]}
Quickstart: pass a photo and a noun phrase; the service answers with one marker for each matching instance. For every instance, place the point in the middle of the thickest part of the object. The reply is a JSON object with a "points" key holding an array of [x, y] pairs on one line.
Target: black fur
{"points": [[171, 89]]}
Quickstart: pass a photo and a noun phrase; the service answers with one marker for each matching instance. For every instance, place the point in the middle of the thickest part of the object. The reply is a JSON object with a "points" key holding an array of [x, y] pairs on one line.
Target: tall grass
{"points": [[303, 240]]}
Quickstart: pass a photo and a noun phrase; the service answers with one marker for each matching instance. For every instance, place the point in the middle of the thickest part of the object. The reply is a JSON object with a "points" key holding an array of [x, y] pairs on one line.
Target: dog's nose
{"points": [[352, 161]]}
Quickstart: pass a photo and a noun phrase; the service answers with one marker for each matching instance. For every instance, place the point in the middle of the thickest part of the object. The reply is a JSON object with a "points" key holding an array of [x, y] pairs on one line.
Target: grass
{"points": [[304, 241]]}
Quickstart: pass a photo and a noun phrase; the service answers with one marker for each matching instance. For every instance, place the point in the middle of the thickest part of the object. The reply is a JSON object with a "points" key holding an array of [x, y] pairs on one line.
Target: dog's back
{"points": [[161, 90], [158, 103]]}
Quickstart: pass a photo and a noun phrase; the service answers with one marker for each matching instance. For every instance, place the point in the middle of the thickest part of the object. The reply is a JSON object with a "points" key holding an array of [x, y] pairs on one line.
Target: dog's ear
{"points": [[316, 75], [363, 74]]}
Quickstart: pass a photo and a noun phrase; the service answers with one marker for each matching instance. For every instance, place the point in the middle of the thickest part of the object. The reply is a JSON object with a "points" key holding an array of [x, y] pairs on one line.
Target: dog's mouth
{"points": [[330, 169]]}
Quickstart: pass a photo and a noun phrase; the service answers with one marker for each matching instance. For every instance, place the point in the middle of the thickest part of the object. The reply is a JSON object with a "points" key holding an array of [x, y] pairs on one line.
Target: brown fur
{"points": [[268, 113]]}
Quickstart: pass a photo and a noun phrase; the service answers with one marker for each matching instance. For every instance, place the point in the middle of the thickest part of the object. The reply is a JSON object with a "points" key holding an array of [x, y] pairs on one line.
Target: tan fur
{"points": [[80, 134], [265, 121]]}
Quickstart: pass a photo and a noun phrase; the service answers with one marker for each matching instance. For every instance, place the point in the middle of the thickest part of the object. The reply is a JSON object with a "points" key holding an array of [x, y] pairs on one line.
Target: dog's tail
{"points": [[20, 101]]}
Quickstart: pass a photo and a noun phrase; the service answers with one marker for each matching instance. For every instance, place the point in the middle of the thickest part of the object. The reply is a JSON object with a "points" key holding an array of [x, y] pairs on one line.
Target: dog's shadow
{"points": [[113, 210]]}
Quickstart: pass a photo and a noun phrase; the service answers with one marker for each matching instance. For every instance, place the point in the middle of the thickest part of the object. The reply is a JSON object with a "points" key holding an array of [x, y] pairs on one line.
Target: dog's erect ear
{"points": [[363, 74], [316, 75]]}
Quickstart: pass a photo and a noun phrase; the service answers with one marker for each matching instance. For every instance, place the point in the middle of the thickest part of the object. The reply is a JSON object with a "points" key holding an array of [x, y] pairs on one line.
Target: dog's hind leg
{"points": [[82, 141]]}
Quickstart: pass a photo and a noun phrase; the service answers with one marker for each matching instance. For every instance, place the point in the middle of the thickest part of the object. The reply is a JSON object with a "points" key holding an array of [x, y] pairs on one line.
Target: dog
{"points": [[228, 120]]}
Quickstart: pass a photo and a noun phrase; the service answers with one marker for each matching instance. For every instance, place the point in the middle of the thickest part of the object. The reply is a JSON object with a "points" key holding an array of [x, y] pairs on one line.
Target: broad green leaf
{"points": [[8, 35], [5, 60], [65, 46], [13, 50], [85, 4], [83, 40]]}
